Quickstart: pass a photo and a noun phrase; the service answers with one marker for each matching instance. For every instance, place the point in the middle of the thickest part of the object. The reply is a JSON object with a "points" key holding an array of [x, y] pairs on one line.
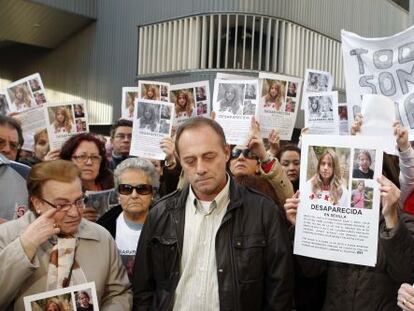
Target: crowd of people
{"points": [[209, 228]]}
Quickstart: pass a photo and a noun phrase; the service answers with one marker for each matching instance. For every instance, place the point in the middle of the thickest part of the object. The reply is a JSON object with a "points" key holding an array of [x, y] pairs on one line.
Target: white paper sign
{"points": [[321, 115], [152, 122], [235, 103], [68, 298], [190, 100], [378, 114], [32, 121], [279, 104], [316, 81], [381, 66], [129, 96], [65, 120], [338, 215], [26, 93]]}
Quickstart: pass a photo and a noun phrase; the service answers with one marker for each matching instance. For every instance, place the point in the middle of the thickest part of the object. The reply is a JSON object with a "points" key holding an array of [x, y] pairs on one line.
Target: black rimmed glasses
{"points": [[64, 207], [142, 189]]}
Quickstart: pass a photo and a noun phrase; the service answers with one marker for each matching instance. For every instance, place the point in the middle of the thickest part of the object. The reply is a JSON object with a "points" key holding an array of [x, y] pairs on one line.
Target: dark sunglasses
{"points": [[247, 153], [126, 189]]}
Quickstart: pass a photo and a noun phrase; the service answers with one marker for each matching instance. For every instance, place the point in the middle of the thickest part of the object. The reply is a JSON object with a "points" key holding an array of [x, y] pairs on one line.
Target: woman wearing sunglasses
{"points": [[136, 181], [252, 159]]}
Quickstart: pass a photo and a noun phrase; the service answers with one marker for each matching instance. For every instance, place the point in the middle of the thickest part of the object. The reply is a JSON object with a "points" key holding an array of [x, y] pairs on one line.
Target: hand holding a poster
{"points": [[52, 155], [255, 141], [405, 299], [401, 136], [274, 142], [291, 208], [167, 145], [38, 232], [356, 124], [390, 195]]}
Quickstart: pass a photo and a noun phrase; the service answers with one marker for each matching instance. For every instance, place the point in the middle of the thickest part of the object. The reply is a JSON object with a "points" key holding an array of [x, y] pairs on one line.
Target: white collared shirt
{"points": [[197, 288]]}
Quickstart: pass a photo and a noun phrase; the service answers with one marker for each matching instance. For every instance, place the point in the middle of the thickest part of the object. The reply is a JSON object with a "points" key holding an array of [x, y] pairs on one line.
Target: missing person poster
{"points": [[152, 122], [338, 214], [235, 103], [26, 93], [190, 100], [64, 120], [73, 298], [279, 104], [32, 121], [321, 115], [129, 97], [316, 81], [380, 66]]}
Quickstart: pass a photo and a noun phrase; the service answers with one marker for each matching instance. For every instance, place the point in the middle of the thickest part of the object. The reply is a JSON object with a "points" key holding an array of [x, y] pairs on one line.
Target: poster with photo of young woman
{"points": [[278, 108], [338, 212], [129, 96], [64, 120], [26, 93], [152, 122], [233, 110]]}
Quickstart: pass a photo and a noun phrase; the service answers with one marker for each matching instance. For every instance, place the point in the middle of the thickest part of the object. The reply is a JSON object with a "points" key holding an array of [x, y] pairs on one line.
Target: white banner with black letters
{"points": [[381, 66]]}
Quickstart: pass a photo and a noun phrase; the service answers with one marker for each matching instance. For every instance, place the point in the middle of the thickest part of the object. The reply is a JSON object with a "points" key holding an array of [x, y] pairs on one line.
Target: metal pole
{"points": [[411, 13]]}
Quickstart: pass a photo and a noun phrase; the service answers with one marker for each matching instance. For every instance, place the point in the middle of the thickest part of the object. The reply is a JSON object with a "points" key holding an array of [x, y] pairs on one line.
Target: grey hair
{"points": [[139, 164]]}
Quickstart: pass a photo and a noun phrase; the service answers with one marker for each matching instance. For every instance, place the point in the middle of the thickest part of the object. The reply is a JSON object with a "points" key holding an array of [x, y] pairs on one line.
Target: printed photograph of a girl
{"points": [[273, 94], [361, 195], [21, 97], [149, 116], [184, 103], [327, 174], [61, 119]]}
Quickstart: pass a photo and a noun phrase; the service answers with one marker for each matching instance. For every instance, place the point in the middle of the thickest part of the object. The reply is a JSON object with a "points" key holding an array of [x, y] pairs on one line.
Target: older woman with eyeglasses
{"points": [[136, 181], [52, 247], [87, 151]]}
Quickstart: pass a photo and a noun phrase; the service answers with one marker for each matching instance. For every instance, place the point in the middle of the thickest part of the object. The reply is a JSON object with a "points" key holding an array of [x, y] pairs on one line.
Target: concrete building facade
{"points": [[89, 49]]}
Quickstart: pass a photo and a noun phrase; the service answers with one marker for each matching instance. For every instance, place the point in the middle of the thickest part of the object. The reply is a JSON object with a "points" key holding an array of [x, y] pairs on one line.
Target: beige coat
{"points": [[280, 182], [96, 254]]}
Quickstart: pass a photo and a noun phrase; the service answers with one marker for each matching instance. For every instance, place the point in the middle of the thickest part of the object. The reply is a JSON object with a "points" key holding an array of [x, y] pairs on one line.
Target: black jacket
{"points": [[253, 254], [108, 220], [354, 287]]}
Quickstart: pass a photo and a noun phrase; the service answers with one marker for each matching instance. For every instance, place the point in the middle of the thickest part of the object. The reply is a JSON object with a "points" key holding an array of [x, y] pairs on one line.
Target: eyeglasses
{"points": [[64, 207], [123, 136], [127, 189], [247, 153], [13, 145], [84, 158]]}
